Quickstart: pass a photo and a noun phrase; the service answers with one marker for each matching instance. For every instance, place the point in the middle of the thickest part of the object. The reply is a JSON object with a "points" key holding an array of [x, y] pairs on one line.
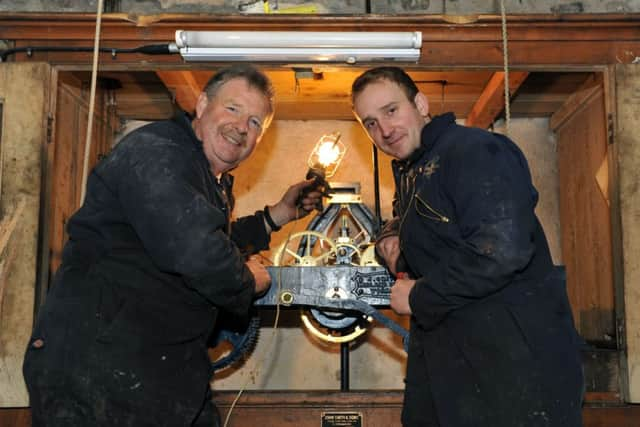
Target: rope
{"points": [[272, 339], [255, 371], [505, 55], [92, 97]]}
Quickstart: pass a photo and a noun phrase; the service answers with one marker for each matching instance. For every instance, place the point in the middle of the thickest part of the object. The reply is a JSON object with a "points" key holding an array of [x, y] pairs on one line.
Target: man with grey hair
{"points": [[151, 261]]}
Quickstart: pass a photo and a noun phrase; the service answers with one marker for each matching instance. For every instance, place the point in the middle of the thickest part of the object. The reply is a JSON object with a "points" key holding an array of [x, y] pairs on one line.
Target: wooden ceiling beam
{"points": [[184, 86], [534, 40], [491, 101]]}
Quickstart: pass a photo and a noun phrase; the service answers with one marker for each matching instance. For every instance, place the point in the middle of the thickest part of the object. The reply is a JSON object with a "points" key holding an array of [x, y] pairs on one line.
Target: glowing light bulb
{"points": [[327, 154]]}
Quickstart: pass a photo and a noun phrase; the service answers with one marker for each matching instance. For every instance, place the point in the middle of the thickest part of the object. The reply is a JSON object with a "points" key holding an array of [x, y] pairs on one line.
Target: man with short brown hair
{"points": [[492, 340]]}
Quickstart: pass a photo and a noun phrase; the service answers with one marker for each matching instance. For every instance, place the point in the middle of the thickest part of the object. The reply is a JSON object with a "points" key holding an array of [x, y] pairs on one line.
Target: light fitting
{"points": [[299, 46]]}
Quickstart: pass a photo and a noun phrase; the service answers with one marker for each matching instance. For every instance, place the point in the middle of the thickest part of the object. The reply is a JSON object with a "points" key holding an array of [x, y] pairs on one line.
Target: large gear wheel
{"points": [[242, 343], [311, 248]]}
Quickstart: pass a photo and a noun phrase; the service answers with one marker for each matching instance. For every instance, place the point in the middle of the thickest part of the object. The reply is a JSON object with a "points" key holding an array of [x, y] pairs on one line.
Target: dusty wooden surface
{"points": [[628, 140], [278, 416], [580, 127], [533, 40], [72, 112], [24, 93], [378, 409]]}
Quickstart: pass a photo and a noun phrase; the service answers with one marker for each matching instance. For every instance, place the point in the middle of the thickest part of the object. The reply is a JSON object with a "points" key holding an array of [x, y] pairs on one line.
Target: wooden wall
{"points": [[30, 186], [72, 112], [627, 131], [581, 131], [25, 95]]}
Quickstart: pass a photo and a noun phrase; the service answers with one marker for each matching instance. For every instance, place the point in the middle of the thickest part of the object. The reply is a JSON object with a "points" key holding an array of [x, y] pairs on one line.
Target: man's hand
{"points": [[260, 274], [295, 203], [400, 295], [389, 249]]}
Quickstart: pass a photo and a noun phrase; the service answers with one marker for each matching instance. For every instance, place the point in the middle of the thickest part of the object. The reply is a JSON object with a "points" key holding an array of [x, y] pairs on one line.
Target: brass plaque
{"points": [[341, 419]]}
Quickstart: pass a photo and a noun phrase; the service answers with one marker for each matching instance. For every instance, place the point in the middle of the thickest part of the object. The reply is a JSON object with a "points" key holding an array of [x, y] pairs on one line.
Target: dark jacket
{"points": [[491, 317], [151, 260]]}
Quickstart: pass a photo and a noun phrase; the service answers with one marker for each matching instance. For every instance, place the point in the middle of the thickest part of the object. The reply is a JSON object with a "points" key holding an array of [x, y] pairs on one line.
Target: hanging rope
{"points": [[92, 97], [272, 339], [270, 344], [505, 55]]}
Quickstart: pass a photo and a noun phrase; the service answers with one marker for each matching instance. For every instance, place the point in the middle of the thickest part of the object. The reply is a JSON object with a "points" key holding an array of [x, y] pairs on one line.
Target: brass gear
{"points": [[311, 250], [317, 249]]}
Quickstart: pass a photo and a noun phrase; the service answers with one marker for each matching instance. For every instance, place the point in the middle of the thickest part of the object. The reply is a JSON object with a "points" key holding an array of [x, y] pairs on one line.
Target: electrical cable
{"points": [[151, 49], [376, 190], [264, 355]]}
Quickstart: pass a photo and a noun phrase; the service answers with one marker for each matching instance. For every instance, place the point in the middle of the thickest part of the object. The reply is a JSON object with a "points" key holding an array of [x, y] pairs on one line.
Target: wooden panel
{"points": [[15, 417], [602, 374], [378, 409], [491, 101], [611, 416], [543, 93], [305, 409], [293, 413], [24, 89], [70, 136], [143, 102], [627, 139], [541, 104], [584, 214]]}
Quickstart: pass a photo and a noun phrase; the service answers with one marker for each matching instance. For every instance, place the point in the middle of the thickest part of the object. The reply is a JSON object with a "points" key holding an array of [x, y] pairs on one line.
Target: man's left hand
{"points": [[296, 203], [400, 295]]}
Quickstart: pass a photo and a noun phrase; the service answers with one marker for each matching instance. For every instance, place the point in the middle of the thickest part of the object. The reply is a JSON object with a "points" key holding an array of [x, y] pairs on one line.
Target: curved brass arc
{"points": [[358, 331]]}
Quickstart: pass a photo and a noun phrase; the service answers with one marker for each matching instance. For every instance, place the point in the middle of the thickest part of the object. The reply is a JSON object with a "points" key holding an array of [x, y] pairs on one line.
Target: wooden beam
{"points": [[378, 408], [535, 40], [184, 86], [600, 415], [491, 101], [581, 97], [138, 103]]}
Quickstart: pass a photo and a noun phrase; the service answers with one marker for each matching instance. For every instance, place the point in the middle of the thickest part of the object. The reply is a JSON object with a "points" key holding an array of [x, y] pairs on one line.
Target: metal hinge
{"points": [[49, 128], [621, 338], [610, 129]]}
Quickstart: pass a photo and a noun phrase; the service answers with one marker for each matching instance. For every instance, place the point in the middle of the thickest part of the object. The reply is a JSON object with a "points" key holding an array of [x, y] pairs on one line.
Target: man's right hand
{"points": [[260, 274], [389, 249]]}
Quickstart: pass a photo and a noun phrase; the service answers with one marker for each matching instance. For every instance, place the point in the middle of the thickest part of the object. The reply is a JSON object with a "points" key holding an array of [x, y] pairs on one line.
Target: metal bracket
{"points": [[342, 288]]}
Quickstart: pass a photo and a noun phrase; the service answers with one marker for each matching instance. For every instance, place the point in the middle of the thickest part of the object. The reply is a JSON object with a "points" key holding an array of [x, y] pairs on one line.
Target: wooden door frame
{"points": [[585, 42]]}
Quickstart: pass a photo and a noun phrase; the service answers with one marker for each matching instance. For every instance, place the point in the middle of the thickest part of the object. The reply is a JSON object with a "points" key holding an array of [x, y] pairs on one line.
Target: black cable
{"points": [[152, 49], [376, 191]]}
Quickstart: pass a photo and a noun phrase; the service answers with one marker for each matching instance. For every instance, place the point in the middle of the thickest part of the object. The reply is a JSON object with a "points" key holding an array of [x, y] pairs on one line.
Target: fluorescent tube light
{"points": [[294, 46]]}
